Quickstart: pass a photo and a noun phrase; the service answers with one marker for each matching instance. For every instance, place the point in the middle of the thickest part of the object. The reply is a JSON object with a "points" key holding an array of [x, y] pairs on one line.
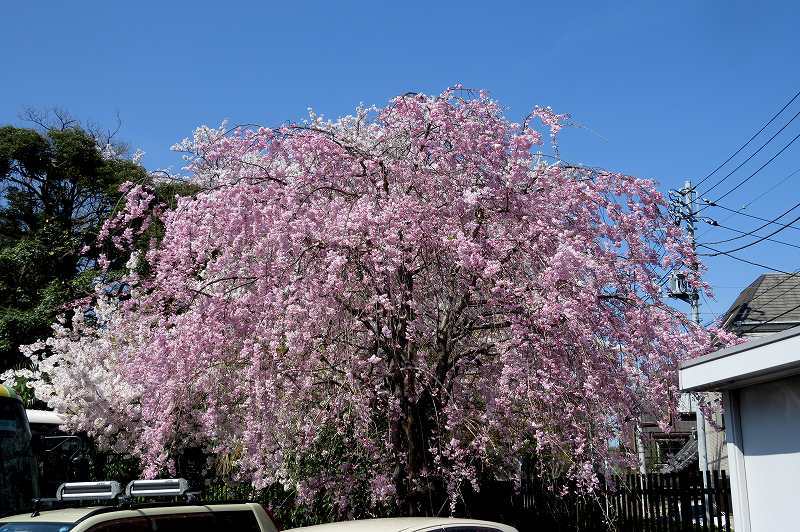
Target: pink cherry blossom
{"points": [[393, 303]]}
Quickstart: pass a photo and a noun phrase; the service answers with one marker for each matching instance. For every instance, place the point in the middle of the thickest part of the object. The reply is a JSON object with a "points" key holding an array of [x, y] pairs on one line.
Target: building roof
{"points": [[757, 360], [770, 304]]}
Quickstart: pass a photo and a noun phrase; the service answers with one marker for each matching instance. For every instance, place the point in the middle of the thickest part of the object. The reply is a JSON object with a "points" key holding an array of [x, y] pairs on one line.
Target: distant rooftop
{"points": [[770, 304]]}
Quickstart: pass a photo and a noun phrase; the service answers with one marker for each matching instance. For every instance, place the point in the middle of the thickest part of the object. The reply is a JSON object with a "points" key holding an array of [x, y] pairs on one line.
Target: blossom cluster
{"points": [[395, 301]]}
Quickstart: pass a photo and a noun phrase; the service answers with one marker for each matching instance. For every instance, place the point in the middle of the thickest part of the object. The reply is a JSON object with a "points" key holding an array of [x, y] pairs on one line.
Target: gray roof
{"points": [[770, 304]]}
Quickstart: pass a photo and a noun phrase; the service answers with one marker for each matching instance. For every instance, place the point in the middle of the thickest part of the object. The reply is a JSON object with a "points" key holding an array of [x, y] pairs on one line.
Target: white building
{"points": [[768, 305], [760, 385]]}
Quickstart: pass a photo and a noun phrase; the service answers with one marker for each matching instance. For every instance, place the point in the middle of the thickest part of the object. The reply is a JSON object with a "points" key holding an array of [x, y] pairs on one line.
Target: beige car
{"points": [[249, 517], [123, 515], [409, 524]]}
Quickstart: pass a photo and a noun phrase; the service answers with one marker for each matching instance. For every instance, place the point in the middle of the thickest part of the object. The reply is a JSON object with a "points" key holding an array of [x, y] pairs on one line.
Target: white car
{"points": [[409, 524], [116, 513]]}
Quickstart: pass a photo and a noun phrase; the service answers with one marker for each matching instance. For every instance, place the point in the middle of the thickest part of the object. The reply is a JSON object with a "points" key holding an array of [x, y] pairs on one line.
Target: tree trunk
{"points": [[408, 443]]}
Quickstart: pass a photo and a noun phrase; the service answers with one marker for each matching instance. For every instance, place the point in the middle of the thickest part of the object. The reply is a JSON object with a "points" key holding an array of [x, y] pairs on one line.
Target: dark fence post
{"points": [[636, 499], [659, 510], [697, 500], [632, 491], [717, 501], [674, 507], [654, 502], [726, 496], [643, 500], [683, 501], [707, 499]]}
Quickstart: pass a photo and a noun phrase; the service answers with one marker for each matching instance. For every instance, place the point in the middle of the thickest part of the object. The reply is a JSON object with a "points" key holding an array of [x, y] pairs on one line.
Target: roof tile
{"points": [[771, 303]]}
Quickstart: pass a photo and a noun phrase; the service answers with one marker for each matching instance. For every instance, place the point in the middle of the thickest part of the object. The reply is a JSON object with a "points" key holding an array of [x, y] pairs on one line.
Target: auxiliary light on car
{"points": [[170, 487], [74, 491]]}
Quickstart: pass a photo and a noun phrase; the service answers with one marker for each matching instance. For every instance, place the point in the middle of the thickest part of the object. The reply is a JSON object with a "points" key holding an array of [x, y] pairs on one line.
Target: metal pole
{"points": [[640, 450], [689, 196]]}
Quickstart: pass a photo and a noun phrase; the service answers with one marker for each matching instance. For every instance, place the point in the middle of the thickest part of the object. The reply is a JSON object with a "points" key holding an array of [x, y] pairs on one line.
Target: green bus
{"points": [[18, 470]]}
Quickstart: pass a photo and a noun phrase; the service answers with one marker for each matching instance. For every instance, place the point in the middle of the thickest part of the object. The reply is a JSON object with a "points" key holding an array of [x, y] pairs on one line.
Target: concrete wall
{"points": [[770, 432]]}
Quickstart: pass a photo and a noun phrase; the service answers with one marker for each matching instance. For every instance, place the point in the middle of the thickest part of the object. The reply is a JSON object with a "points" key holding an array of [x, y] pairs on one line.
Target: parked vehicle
{"points": [[115, 511], [60, 456], [409, 524], [18, 473]]}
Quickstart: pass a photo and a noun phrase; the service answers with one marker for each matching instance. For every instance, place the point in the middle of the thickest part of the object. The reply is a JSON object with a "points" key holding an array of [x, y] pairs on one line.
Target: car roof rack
{"points": [[110, 490], [95, 491], [109, 495], [171, 487], [192, 499]]}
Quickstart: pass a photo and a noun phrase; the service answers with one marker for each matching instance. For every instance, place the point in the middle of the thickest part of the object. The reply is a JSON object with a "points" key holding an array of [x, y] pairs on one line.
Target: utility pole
{"points": [[683, 208], [689, 196]]}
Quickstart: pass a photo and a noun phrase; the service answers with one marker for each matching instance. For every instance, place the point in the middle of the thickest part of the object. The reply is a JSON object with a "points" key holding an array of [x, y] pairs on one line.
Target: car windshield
{"points": [[35, 527]]}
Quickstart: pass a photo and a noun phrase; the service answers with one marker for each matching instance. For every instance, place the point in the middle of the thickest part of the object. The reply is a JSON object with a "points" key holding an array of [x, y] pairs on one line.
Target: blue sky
{"points": [[665, 90]]}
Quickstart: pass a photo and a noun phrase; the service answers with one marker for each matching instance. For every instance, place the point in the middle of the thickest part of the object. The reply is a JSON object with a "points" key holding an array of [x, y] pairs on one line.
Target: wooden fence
{"points": [[673, 502]]}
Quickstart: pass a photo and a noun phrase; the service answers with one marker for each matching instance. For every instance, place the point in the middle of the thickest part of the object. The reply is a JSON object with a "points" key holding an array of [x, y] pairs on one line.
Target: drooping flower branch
{"points": [[397, 302]]}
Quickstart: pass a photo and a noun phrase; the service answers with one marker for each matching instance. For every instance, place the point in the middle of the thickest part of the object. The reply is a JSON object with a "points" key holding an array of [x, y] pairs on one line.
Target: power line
{"points": [[749, 203], [722, 180], [745, 234], [788, 276], [740, 259], [708, 303], [748, 178], [776, 285], [665, 278], [773, 287], [761, 239], [769, 222], [770, 189], [782, 314], [749, 140], [767, 303]]}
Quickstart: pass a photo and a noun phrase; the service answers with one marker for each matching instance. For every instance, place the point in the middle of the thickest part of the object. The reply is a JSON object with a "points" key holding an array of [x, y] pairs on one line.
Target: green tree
{"points": [[57, 186]]}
